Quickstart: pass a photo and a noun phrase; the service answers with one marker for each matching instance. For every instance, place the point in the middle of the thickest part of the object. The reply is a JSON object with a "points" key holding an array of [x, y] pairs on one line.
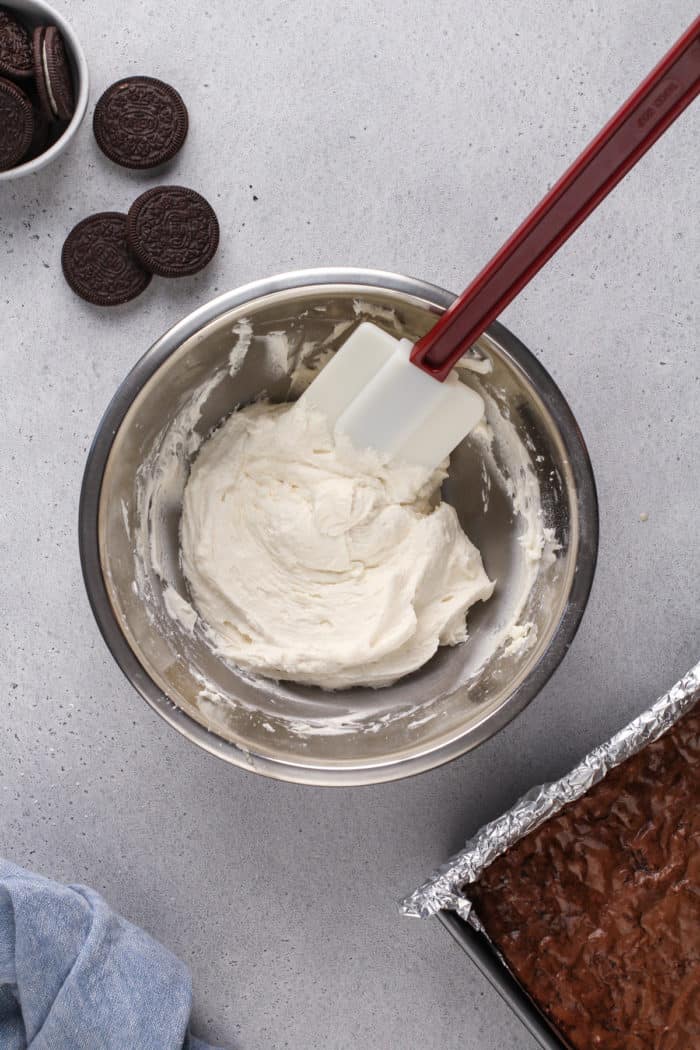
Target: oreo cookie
{"points": [[52, 74], [98, 264], [42, 136], [172, 231], [140, 122], [16, 124], [15, 48]]}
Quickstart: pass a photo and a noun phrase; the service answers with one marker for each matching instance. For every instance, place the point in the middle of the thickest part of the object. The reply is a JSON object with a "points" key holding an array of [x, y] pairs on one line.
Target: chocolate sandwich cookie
{"points": [[52, 74], [172, 231], [140, 122], [15, 48], [16, 124], [97, 262], [42, 135]]}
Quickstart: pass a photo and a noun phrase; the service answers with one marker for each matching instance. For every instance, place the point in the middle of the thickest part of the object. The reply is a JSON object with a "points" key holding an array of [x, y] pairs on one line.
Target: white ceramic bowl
{"points": [[37, 13]]}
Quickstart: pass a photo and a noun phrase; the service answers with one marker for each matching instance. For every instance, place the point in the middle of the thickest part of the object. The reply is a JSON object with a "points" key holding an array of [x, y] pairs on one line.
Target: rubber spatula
{"points": [[404, 400]]}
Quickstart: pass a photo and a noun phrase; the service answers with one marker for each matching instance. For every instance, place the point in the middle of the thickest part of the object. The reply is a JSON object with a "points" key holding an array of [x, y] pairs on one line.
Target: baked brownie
{"points": [[597, 912]]}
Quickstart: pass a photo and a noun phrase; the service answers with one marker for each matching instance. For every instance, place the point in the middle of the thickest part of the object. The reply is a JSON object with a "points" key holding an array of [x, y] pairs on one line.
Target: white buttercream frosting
{"points": [[314, 561]]}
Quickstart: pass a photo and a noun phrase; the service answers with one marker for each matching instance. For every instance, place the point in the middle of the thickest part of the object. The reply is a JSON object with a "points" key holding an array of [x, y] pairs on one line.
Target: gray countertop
{"points": [[403, 136]]}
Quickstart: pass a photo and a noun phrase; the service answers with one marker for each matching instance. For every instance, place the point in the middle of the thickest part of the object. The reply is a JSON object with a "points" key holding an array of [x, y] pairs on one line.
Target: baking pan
{"points": [[483, 954], [446, 893]]}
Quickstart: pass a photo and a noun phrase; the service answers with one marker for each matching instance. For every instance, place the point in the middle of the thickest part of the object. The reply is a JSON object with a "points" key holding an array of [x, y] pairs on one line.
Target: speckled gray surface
{"points": [[404, 138]]}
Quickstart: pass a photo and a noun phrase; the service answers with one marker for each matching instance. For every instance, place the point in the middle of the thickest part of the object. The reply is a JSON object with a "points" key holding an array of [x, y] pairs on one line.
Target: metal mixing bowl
{"points": [[465, 694]]}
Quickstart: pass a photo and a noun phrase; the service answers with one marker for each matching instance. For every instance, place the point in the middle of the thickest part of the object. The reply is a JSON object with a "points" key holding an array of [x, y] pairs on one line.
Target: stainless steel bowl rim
{"points": [[350, 773]]}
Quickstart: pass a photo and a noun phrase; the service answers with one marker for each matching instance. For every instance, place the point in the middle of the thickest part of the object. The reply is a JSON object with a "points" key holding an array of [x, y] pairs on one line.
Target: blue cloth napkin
{"points": [[76, 976]]}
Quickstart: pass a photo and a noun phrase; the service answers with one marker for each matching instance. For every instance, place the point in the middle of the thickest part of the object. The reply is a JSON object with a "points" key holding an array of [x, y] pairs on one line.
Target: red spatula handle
{"points": [[656, 103]]}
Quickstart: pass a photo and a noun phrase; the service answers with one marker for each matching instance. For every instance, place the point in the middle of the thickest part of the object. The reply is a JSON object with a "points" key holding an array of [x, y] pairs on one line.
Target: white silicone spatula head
{"points": [[372, 393], [404, 400]]}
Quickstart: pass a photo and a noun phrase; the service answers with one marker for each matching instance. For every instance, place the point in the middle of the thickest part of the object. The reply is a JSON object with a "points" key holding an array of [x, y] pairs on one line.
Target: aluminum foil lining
{"points": [[442, 891]]}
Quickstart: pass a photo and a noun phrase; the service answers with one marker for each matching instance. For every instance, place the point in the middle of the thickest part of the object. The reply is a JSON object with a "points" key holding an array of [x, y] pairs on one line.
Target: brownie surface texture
{"points": [[597, 912]]}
